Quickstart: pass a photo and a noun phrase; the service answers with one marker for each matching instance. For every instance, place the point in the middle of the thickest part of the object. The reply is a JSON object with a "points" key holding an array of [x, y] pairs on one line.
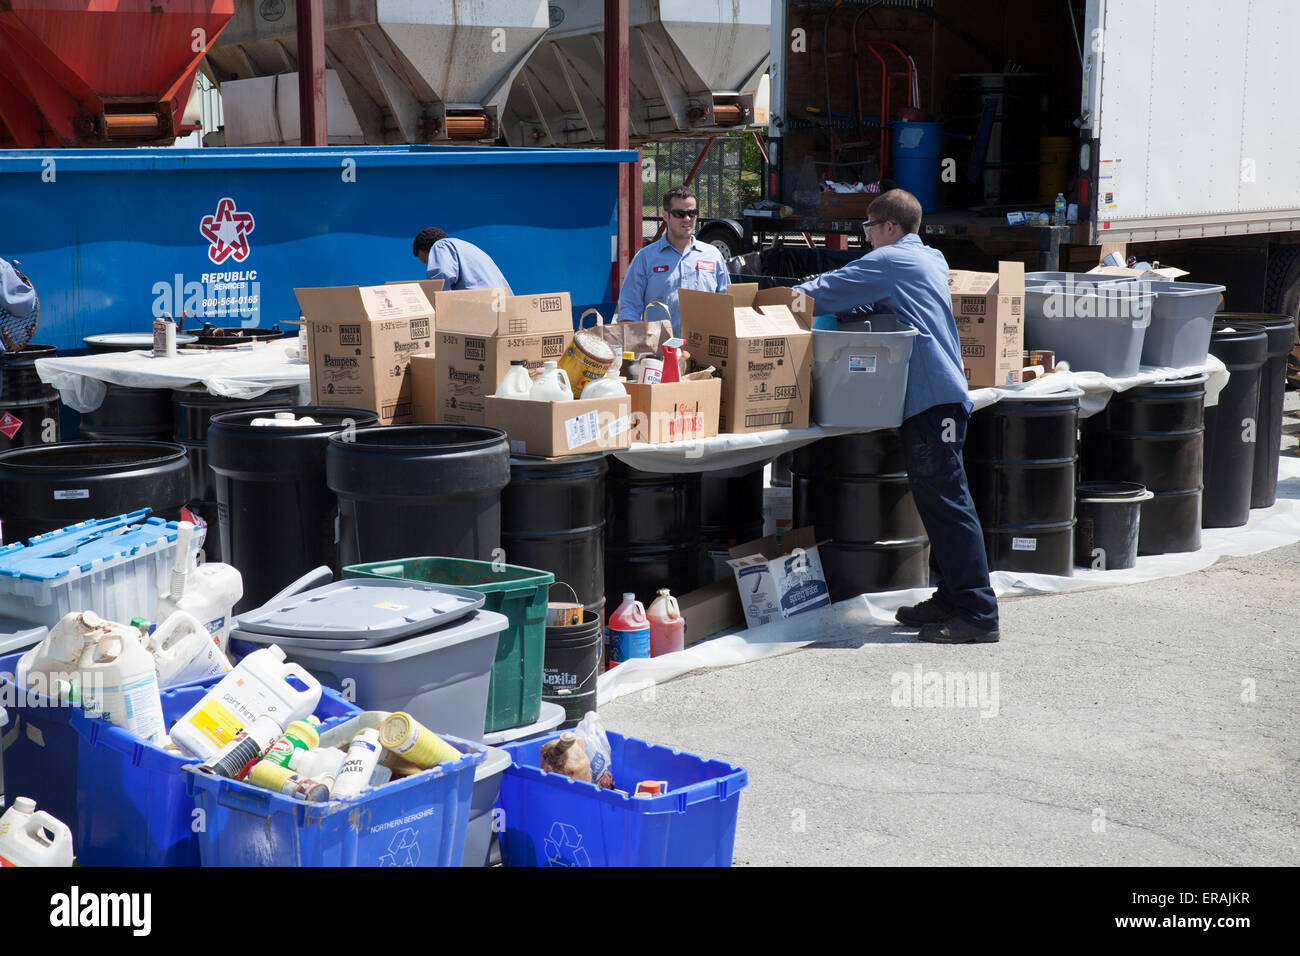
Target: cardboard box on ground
{"points": [[760, 343], [479, 332], [990, 311], [360, 340], [720, 606]]}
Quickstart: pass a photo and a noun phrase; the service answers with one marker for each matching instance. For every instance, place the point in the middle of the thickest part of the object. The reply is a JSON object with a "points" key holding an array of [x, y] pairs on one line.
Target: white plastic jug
{"points": [[611, 386], [208, 592], [552, 385], [262, 683], [183, 650], [59, 655], [119, 682], [284, 420], [31, 837], [516, 383]]}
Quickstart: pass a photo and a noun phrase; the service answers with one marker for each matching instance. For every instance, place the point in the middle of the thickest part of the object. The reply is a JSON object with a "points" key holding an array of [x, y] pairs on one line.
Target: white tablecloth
{"points": [[246, 372], [735, 451]]}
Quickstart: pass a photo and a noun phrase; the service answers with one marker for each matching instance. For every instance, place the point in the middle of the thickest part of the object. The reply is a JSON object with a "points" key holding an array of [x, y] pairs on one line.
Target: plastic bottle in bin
{"points": [[667, 626], [629, 631]]}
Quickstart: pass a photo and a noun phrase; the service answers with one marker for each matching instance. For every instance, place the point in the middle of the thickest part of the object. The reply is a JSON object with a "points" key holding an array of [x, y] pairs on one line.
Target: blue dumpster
{"points": [[112, 237]]}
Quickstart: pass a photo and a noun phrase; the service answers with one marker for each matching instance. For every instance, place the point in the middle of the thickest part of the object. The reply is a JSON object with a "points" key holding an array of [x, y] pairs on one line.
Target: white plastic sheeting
{"points": [[1268, 528], [733, 451], [82, 380]]}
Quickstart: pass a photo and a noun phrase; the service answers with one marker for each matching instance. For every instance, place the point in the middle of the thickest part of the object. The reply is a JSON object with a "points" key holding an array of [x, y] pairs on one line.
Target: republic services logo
{"points": [[228, 232]]}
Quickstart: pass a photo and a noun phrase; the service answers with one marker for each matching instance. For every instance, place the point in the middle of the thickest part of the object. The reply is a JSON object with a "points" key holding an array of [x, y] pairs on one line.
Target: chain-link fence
{"points": [[717, 183]]}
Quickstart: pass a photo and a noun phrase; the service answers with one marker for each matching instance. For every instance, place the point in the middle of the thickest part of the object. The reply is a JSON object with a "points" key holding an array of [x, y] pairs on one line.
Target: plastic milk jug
{"points": [[184, 650], [629, 631], [209, 591], [262, 683], [31, 837], [516, 383], [552, 385], [667, 626], [611, 386], [119, 682]]}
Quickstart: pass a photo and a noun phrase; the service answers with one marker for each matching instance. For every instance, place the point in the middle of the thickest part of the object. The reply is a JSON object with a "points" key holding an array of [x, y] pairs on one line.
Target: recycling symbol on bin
{"points": [[564, 847], [404, 850]]}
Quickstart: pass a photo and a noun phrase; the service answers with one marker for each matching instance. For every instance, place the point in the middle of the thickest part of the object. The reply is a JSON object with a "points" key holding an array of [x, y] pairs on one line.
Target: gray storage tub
{"points": [[440, 678], [1182, 318], [1099, 327], [859, 372], [487, 787]]}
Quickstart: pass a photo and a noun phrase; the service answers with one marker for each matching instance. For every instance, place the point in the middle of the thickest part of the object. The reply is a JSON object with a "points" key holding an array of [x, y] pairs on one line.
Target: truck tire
{"points": [[1282, 296], [723, 237]]}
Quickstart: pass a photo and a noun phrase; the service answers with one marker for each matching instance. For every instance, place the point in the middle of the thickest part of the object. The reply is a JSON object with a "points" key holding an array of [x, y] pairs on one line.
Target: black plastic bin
{"points": [[1232, 427]]}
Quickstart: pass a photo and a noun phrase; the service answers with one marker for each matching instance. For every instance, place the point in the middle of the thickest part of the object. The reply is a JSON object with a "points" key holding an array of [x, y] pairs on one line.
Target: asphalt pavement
{"points": [[1153, 724]]}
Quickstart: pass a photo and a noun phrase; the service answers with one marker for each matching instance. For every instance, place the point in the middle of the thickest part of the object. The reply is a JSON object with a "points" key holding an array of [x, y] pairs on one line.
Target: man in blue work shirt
{"points": [[676, 261], [911, 279], [459, 264]]}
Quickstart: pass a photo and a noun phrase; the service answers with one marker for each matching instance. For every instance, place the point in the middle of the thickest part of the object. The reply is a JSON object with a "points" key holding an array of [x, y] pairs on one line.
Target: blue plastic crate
{"points": [[133, 808], [40, 748], [418, 821], [551, 820]]}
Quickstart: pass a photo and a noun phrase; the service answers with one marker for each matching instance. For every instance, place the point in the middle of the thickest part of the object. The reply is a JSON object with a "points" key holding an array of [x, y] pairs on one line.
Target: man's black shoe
{"points": [[957, 631], [927, 612]]}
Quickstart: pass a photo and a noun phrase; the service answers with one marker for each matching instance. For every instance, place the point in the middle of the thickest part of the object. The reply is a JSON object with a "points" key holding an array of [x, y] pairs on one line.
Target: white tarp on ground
{"points": [[247, 372], [735, 451], [1268, 528]]}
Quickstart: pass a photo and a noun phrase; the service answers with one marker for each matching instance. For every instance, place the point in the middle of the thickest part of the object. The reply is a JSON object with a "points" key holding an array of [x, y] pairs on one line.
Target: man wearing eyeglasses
{"points": [[676, 261], [906, 277], [459, 264]]}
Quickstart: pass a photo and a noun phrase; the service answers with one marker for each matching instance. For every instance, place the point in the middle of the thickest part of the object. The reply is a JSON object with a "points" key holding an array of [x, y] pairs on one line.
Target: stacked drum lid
{"points": [[1154, 436], [1020, 457], [853, 490]]}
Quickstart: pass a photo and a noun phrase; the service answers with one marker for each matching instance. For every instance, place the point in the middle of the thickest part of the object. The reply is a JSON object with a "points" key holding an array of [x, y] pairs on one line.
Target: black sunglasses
{"points": [[684, 213]]}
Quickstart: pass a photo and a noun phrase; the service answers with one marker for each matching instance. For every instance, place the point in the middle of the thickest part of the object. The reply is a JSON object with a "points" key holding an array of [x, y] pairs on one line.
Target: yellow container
{"points": [[586, 360], [409, 739]]}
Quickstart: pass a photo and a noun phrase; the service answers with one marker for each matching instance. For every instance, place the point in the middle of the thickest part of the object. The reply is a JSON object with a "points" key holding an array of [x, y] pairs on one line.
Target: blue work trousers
{"points": [[932, 447]]}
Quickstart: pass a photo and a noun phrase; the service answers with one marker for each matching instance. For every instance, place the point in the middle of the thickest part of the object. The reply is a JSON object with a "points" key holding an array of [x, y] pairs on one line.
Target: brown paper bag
{"points": [[635, 337]]}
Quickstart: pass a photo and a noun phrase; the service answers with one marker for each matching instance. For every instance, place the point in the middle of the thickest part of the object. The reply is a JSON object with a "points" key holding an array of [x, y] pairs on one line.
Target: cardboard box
{"points": [[845, 205], [780, 580], [761, 348], [479, 332], [562, 429], [424, 393], [359, 344], [990, 312], [677, 411], [711, 609]]}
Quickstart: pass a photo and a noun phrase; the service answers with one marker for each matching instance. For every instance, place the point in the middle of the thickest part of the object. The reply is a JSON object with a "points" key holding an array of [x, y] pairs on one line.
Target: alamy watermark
{"points": [[922, 688]]}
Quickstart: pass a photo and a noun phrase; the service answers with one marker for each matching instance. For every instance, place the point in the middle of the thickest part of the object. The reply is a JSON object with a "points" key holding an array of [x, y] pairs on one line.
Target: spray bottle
{"points": [[208, 592], [672, 370]]}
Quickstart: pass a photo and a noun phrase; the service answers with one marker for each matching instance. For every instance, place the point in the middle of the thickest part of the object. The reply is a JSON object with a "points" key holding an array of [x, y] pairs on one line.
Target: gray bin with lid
{"points": [[1182, 319], [859, 372], [1096, 326], [440, 675]]}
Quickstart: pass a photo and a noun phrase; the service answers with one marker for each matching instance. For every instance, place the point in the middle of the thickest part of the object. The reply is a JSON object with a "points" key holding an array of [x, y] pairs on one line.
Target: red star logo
{"points": [[228, 232]]}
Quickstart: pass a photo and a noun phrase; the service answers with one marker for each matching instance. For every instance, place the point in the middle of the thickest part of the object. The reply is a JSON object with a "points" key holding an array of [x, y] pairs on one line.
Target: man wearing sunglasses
{"points": [[906, 277], [676, 261], [459, 264]]}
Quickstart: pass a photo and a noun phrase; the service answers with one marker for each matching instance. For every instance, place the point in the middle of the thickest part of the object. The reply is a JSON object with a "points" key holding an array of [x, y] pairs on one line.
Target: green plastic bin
{"points": [[515, 691]]}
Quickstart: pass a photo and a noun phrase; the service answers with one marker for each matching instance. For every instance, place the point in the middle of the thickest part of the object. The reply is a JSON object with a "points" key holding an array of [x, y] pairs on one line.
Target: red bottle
{"points": [[629, 631], [667, 626]]}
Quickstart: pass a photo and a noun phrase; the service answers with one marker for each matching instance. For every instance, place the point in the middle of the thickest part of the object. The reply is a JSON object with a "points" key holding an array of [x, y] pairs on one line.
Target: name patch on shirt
{"points": [[706, 265], [661, 268]]}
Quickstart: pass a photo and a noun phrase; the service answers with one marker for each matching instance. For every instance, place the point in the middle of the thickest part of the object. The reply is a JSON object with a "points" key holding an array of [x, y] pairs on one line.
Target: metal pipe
{"points": [[617, 105], [313, 124]]}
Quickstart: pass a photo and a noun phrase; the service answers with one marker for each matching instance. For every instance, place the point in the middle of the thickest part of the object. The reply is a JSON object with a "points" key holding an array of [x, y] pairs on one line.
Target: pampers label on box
{"points": [[775, 588]]}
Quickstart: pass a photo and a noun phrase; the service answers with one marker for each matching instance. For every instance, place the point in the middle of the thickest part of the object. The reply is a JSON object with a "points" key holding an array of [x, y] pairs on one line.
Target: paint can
{"points": [[244, 750], [587, 359], [412, 741]]}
